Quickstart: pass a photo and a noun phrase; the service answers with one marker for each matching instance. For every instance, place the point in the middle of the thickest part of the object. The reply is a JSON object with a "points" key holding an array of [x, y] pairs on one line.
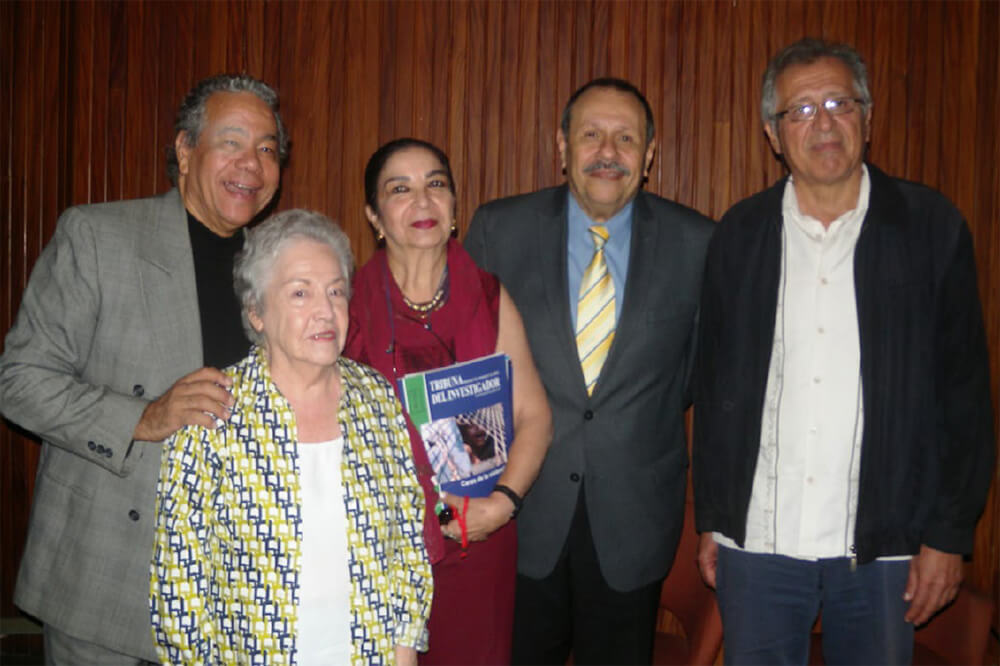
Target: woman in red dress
{"points": [[421, 303]]}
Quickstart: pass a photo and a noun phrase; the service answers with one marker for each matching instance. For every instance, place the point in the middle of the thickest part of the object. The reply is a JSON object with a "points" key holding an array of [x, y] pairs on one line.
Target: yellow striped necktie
{"points": [[595, 313]]}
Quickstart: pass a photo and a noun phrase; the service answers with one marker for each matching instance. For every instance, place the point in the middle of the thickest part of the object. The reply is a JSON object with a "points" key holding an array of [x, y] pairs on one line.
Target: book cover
{"points": [[465, 415]]}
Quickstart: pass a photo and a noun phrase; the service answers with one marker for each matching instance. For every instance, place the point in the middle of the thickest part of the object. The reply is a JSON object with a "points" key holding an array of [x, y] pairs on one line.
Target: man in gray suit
{"points": [[124, 306], [599, 529]]}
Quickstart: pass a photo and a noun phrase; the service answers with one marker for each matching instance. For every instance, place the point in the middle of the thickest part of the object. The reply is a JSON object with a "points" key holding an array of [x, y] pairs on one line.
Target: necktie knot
{"points": [[599, 233]]}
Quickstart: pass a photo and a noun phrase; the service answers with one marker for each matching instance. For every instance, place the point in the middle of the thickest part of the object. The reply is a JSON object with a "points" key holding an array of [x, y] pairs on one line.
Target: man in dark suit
{"points": [[606, 278], [124, 306]]}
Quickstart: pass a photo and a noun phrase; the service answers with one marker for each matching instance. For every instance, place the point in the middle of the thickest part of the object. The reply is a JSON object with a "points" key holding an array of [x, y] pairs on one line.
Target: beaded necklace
{"points": [[437, 301]]}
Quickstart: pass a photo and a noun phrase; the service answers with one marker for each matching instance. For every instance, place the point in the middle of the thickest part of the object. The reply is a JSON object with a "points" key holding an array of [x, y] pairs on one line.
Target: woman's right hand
{"points": [[483, 517]]}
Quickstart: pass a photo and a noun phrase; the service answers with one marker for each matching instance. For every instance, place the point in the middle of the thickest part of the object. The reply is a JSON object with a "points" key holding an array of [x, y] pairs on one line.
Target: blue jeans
{"points": [[770, 602]]}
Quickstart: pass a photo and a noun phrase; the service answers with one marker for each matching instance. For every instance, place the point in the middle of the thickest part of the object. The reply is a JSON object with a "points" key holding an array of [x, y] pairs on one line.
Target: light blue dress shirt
{"points": [[581, 250]]}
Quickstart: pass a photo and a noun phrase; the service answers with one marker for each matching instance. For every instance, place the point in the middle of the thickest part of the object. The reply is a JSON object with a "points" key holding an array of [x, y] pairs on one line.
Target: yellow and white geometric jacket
{"points": [[224, 575]]}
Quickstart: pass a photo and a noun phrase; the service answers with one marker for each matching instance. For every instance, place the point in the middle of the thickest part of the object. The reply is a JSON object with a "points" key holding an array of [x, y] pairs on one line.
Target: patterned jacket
{"points": [[226, 561]]}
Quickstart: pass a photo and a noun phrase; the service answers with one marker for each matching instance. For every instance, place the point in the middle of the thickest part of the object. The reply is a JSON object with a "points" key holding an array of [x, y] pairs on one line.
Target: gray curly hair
{"points": [[264, 243], [191, 114]]}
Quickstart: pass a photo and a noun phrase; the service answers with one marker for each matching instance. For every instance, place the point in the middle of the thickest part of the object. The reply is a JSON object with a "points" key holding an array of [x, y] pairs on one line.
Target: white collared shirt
{"points": [[805, 488]]}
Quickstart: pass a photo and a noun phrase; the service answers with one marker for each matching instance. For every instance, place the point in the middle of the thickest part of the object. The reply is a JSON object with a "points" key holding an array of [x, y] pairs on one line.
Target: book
{"points": [[465, 415]]}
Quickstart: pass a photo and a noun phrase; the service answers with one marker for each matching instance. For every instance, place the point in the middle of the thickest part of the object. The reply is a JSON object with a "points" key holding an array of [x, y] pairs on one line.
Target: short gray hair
{"points": [[805, 52], [264, 243], [191, 114]]}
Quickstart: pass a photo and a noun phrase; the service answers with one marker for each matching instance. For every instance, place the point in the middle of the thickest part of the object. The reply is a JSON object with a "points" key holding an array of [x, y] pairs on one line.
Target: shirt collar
{"points": [[810, 225], [615, 225]]}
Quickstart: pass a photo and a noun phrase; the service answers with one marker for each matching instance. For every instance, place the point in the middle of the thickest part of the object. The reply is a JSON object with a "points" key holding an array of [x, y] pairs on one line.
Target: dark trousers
{"points": [[769, 603], [574, 609]]}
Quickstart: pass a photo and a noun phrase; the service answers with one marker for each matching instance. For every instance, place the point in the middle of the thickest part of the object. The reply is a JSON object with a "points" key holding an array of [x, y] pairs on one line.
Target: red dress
{"points": [[473, 608]]}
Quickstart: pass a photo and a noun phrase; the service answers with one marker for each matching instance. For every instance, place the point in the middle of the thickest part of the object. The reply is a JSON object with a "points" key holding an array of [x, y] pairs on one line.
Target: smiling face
{"points": [[232, 173], [416, 207], [826, 150], [605, 155], [303, 316]]}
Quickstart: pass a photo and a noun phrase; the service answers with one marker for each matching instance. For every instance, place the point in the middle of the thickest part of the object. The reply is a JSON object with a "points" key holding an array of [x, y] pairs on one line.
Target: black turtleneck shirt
{"points": [[222, 338]]}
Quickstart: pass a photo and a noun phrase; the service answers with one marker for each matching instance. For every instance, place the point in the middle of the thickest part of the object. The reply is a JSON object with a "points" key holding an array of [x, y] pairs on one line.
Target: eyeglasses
{"points": [[835, 106]]}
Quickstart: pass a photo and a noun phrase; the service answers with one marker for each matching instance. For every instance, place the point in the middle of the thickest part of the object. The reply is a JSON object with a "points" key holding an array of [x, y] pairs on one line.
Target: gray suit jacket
{"points": [[109, 321], [626, 443]]}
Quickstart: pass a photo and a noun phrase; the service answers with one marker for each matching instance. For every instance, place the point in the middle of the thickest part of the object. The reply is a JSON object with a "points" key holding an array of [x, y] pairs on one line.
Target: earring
{"points": [[379, 237], [454, 227]]}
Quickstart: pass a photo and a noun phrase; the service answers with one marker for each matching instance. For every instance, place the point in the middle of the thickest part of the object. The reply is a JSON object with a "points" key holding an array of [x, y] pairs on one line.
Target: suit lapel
{"points": [[167, 282], [552, 235], [642, 257]]}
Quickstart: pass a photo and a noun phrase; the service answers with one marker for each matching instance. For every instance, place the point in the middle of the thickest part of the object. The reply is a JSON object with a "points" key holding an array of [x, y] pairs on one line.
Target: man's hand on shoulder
{"points": [[934, 580], [198, 398]]}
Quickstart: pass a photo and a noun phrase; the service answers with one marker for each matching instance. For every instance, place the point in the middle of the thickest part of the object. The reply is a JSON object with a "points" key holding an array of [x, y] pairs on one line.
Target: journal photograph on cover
{"points": [[464, 413], [467, 444]]}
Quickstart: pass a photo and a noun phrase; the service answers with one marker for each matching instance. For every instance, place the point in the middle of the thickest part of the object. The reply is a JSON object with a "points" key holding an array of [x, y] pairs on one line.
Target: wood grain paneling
{"points": [[88, 92]]}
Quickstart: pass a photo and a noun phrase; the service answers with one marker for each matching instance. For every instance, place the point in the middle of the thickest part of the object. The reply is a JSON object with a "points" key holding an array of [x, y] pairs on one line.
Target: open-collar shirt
{"points": [[805, 488]]}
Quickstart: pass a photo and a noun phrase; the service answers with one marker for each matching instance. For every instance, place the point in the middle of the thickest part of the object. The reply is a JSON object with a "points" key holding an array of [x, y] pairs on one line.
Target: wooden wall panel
{"points": [[984, 218], [31, 188], [88, 92]]}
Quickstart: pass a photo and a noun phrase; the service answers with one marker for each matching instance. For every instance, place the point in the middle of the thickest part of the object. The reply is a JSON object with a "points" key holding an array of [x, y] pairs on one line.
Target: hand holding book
{"points": [[484, 516], [464, 413]]}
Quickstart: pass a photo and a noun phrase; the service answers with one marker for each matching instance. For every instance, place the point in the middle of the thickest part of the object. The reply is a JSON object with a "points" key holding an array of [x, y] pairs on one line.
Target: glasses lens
{"points": [[841, 105], [803, 112]]}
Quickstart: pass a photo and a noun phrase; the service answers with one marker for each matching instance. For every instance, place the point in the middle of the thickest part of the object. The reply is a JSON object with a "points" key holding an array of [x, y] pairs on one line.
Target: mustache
{"points": [[602, 165]]}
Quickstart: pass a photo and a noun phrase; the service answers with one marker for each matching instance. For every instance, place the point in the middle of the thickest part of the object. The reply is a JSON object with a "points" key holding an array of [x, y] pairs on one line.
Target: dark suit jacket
{"points": [[109, 321], [625, 444]]}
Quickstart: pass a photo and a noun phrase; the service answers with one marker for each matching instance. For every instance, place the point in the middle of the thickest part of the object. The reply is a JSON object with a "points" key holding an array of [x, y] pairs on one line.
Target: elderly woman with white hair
{"points": [[291, 532]]}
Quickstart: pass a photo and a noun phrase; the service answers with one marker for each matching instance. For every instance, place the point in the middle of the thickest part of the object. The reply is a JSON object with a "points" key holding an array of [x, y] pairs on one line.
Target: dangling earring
{"points": [[379, 237]]}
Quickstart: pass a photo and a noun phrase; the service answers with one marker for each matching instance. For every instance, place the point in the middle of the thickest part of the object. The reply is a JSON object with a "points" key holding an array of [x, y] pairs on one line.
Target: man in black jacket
{"points": [[843, 428]]}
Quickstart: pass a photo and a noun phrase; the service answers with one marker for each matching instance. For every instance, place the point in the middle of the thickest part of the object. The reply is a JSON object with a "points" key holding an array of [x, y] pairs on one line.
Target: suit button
{"points": [[574, 477], [133, 514], [100, 449], [108, 453], [587, 415], [91, 446], [138, 390]]}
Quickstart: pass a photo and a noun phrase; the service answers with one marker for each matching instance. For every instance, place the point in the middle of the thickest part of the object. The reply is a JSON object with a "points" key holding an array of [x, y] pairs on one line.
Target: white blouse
{"points": [[324, 631]]}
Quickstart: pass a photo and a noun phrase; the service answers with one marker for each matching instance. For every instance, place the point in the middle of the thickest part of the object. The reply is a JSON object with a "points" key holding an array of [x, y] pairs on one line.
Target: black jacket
{"points": [[927, 449]]}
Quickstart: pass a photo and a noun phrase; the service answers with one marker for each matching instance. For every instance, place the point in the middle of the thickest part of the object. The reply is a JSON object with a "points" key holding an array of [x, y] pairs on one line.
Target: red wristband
{"points": [[463, 525]]}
